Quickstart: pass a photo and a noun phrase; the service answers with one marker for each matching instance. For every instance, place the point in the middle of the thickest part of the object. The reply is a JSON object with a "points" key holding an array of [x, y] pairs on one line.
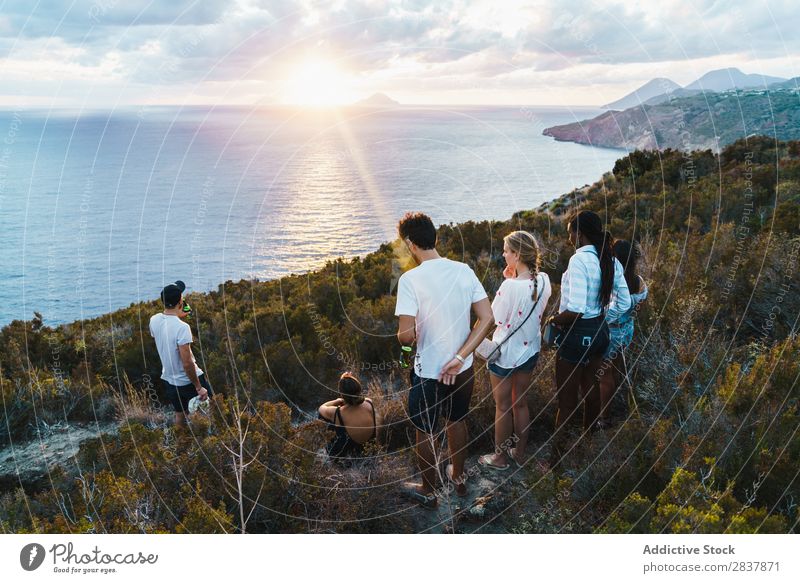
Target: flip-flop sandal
{"points": [[428, 502], [460, 487], [486, 461]]}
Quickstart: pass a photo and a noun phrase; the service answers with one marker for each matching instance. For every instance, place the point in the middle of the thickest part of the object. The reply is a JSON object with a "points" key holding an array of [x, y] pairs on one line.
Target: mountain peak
{"points": [[731, 78], [654, 87]]}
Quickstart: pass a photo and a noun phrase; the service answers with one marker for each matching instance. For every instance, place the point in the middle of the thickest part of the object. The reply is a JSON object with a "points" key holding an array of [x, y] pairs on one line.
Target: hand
{"points": [[202, 393], [449, 372], [339, 401], [509, 272]]}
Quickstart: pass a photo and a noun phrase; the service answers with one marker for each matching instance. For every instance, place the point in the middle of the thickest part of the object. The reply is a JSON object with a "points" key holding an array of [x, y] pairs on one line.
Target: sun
{"points": [[317, 83]]}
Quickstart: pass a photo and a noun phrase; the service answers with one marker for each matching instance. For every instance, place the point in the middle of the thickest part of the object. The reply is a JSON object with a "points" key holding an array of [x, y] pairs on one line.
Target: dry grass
{"points": [[139, 405]]}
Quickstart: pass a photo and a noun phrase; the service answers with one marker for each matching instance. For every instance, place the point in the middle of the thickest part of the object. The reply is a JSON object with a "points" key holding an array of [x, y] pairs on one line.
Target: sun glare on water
{"points": [[317, 83]]}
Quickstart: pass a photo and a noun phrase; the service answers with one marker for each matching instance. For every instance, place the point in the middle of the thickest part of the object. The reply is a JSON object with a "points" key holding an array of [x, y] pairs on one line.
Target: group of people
{"points": [[600, 291]]}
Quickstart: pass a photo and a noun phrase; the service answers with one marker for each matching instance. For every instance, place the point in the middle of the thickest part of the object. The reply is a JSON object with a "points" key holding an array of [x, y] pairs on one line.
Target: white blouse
{"points": [[512, 303]]}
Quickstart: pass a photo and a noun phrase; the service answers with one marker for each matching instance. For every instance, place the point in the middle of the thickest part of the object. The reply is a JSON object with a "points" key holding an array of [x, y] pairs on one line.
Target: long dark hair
{"points": [[628, 254], [590, 226]]}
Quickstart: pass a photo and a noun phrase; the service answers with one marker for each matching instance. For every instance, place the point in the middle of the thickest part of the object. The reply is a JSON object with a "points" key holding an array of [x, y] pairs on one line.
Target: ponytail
{"points": [[590, 226]]}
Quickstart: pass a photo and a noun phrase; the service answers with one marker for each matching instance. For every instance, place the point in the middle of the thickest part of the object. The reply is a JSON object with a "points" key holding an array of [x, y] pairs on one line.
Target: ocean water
{"points": [[101, 209]]}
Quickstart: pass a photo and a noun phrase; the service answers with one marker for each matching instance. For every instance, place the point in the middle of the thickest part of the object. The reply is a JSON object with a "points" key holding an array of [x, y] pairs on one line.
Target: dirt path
{"points": [[489, 494]]}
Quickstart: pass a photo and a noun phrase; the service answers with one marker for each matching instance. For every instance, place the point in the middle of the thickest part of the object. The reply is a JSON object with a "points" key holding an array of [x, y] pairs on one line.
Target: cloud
{"points": [[586, 31], [461, 42]]}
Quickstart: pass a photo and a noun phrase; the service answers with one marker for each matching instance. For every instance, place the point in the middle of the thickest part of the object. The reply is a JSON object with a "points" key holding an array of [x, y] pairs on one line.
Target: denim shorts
{"points": [[180, 396], [526, 366], [583, 340], [429, 399], [620, 337]]}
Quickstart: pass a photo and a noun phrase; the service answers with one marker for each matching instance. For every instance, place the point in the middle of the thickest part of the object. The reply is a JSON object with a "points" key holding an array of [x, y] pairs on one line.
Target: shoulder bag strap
{"points": [[533, 309]]}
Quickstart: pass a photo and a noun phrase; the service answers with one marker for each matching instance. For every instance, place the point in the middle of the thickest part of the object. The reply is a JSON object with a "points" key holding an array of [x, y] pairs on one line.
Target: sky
{"points": [[111, 53]]}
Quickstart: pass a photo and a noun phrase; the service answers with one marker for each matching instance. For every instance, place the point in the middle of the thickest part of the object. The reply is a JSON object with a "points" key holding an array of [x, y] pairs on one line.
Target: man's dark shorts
{"points": [[429, 399], [180, 396]]}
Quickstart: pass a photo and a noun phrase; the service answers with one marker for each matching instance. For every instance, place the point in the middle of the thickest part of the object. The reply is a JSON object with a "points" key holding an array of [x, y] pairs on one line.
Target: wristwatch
{"points": [[459, 358]]}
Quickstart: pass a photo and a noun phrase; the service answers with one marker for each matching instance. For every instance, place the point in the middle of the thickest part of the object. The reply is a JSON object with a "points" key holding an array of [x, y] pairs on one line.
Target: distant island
{"points": [[714, 111], [377, 100]]}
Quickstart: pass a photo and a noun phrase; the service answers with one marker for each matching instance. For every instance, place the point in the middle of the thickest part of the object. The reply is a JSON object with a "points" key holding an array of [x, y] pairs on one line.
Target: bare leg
{"points": [[522, 418], [622, 380], [568, 382], [503, 420], [427, 461], [180, 419], [608, 384], [457, 442], [590, 382]]}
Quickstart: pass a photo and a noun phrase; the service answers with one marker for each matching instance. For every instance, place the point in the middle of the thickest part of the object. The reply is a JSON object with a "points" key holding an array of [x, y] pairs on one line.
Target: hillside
{"points": [[655, 87], [732, 78], [660, 89], [701, 121], [711, 445]]}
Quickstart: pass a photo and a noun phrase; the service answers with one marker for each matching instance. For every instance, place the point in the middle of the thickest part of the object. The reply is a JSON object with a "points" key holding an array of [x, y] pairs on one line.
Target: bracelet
{"points": [[459, 358]]}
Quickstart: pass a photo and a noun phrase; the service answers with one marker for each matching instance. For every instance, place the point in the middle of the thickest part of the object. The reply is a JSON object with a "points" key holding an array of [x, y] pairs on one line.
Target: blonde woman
{"points": [[524, 294]]}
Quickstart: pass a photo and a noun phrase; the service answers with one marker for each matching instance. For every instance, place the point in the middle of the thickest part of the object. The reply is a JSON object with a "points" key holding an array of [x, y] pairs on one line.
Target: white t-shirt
{"points": [[512, 304], [439, 293], [170, 332]]}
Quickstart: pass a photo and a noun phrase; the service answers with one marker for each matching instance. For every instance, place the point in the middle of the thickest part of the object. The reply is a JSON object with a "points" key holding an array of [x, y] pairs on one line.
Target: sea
{"points": [[100, 209]]}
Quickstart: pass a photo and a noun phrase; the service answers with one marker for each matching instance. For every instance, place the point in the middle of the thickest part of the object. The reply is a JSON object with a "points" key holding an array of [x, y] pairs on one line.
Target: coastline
{"points": [[555, 207]]}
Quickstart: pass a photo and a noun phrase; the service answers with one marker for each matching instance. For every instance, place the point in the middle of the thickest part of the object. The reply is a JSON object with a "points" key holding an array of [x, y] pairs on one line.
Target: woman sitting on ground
{"points": [[351, 417]]}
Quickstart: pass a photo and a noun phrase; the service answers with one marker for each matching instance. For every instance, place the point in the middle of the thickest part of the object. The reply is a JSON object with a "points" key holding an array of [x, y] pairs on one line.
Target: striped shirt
{"points": [[580, 287]]}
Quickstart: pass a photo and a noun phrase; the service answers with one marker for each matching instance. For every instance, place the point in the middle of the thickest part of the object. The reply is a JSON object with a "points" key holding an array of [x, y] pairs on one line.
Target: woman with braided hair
{"points": [[518, 307]]}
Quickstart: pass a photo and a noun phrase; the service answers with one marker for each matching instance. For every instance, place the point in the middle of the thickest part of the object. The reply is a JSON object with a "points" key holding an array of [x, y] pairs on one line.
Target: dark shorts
{"points": [[526, 366], [584, 340], [429, 399], [180, 396]]}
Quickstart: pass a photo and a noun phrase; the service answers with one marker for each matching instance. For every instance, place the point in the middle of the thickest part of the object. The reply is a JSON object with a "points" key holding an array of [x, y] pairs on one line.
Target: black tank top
{"points": [[342, 445]]}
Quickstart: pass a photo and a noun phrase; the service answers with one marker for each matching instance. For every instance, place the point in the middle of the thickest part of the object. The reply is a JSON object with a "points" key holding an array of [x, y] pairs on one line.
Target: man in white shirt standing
{"points": [[434, 301], [183, 379]]}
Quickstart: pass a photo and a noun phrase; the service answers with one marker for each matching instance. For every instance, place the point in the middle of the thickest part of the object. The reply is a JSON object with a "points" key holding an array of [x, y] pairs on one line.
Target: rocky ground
{"points": [[490, 493], [28, 463]]}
